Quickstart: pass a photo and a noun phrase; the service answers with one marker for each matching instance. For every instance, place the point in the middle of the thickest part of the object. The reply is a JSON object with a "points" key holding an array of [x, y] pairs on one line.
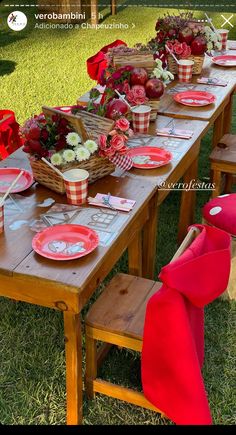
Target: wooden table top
{"points": [[17, 255], [179, 148], [169, 107]]}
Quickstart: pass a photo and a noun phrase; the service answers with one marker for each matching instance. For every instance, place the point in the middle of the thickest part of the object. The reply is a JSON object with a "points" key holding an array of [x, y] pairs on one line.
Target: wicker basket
{"points": [[197, 67], [97, 167], [142, 59], [154, 104], [95, 125]]}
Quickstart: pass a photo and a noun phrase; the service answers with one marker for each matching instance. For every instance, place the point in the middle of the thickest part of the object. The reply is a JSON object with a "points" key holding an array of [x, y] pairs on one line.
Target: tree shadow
{"points": [[7, 38], [7, 67]]}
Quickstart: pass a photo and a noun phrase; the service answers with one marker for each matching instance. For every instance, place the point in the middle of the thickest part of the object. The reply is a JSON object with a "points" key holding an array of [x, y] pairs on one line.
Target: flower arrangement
{"points": [[54, 139], [184, 36], [116, 141]]}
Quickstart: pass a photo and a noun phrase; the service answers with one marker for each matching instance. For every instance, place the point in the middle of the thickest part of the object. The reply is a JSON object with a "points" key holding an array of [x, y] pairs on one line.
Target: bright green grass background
{"points": [[48, 67]]}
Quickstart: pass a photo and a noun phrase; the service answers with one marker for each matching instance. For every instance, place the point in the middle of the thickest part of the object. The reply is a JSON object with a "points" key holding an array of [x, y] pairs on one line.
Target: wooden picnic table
{"points": [[67, 286], [218, 114]]}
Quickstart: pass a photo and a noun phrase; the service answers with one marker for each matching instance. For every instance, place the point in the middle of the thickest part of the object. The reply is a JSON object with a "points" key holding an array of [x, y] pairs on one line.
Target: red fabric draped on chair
{"points": [[173, 340], [9, 133]]}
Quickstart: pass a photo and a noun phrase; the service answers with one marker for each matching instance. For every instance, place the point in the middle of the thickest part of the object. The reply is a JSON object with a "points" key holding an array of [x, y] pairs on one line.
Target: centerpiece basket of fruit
{"points": [[186, 37]]}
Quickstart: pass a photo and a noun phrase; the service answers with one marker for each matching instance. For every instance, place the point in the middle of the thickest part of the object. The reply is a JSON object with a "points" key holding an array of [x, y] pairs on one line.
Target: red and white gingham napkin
{"points": [[123, 162]]}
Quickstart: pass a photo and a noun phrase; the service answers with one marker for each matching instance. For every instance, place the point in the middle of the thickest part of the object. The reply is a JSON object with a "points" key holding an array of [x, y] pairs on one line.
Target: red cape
{"points": [[97, 63], [173, 341]]}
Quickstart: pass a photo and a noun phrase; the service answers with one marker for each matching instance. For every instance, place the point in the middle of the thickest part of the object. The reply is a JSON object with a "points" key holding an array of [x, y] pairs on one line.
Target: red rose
{"points": [[122, 124], [63, 123], [116, 75], [123, 150], [61, 143], [110, 152], [186, 52], [34, 133], [178, 48], [44, 134], [117, 142], [35, 146], [102, 142], [137, 95]]}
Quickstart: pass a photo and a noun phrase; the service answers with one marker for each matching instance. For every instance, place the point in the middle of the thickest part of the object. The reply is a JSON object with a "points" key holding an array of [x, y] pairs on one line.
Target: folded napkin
{"points": [[232, 45], [215, 81], [113, 202], [174, 132]]}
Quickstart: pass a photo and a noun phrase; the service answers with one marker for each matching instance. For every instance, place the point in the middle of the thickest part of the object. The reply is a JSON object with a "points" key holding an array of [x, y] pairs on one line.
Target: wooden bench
{"points": [[117, 318]]}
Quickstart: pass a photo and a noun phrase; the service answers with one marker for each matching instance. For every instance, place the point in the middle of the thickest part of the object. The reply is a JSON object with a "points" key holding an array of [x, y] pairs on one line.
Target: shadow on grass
{"points": [[7, 38], [7, 67]]}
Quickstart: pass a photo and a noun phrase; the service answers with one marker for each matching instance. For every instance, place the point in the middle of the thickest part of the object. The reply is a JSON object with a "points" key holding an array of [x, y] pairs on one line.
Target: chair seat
{"points": [[225, 151], [122, 305], [221, 212]]}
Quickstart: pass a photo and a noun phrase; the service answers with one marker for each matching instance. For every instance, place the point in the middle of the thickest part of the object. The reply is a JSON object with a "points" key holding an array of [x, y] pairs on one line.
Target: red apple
{"points": [[199, 46], [186, 35], [154, 88], [116, 108], [139, 76]]}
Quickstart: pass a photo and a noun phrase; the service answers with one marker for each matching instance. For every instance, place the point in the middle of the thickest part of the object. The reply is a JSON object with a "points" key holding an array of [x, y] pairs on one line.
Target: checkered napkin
{"points": [[214, 81], [174, 132], [122, 162]]}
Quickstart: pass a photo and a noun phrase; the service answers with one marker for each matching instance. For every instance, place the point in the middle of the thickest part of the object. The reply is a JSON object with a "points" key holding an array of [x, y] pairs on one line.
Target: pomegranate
{"points": [[199, 46], [154, 88], [139, 76], [116, 108]]}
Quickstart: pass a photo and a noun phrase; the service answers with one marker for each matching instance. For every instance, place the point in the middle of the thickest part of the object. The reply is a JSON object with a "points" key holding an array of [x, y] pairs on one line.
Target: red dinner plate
{"points": [[7, 175], [149, 157], [194, 98], [225, 60], [65, 242]]}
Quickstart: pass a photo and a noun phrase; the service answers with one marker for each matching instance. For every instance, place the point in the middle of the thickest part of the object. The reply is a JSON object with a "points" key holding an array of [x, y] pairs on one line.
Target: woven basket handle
{"points": [[75, 121]]}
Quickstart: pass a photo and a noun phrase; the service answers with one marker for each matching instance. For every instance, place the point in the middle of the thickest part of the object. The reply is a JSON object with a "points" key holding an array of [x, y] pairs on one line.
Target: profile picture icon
{"points": [[17, 21]]}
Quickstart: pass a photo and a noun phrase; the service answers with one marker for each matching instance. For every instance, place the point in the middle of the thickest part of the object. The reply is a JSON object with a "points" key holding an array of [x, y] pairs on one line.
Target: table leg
{"points": [[150, 239], [135, 255], [188, 198], [94, 11], [73, 347], [218, 129]]}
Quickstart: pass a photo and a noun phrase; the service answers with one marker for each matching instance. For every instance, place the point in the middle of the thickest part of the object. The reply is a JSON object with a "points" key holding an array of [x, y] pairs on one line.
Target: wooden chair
{"points": [[117, 318], [223, 160]]}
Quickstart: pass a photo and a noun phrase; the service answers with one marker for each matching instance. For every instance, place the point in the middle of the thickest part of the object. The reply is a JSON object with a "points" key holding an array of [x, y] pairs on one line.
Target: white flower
{"points": [[171, 76], [159, 63], [91, 146], [73, 139], [82, 153], [209, 46], [68, 155], [217, 45], [56, 159], [157, 73], [165, 76]]}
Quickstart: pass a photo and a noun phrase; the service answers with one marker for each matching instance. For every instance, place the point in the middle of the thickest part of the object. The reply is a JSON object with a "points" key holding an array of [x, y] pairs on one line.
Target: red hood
{"points": [[194, 273]]}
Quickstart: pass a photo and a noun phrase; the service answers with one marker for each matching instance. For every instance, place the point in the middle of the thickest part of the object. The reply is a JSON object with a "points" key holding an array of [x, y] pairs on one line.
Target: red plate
{"points": [[65, 242], [7, 175], [149, 157], [225, 60], [194, 98]]}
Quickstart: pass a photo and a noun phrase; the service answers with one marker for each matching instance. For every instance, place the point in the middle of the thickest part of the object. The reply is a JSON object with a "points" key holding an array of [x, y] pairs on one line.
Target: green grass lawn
{"points": [[48, 67]]}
